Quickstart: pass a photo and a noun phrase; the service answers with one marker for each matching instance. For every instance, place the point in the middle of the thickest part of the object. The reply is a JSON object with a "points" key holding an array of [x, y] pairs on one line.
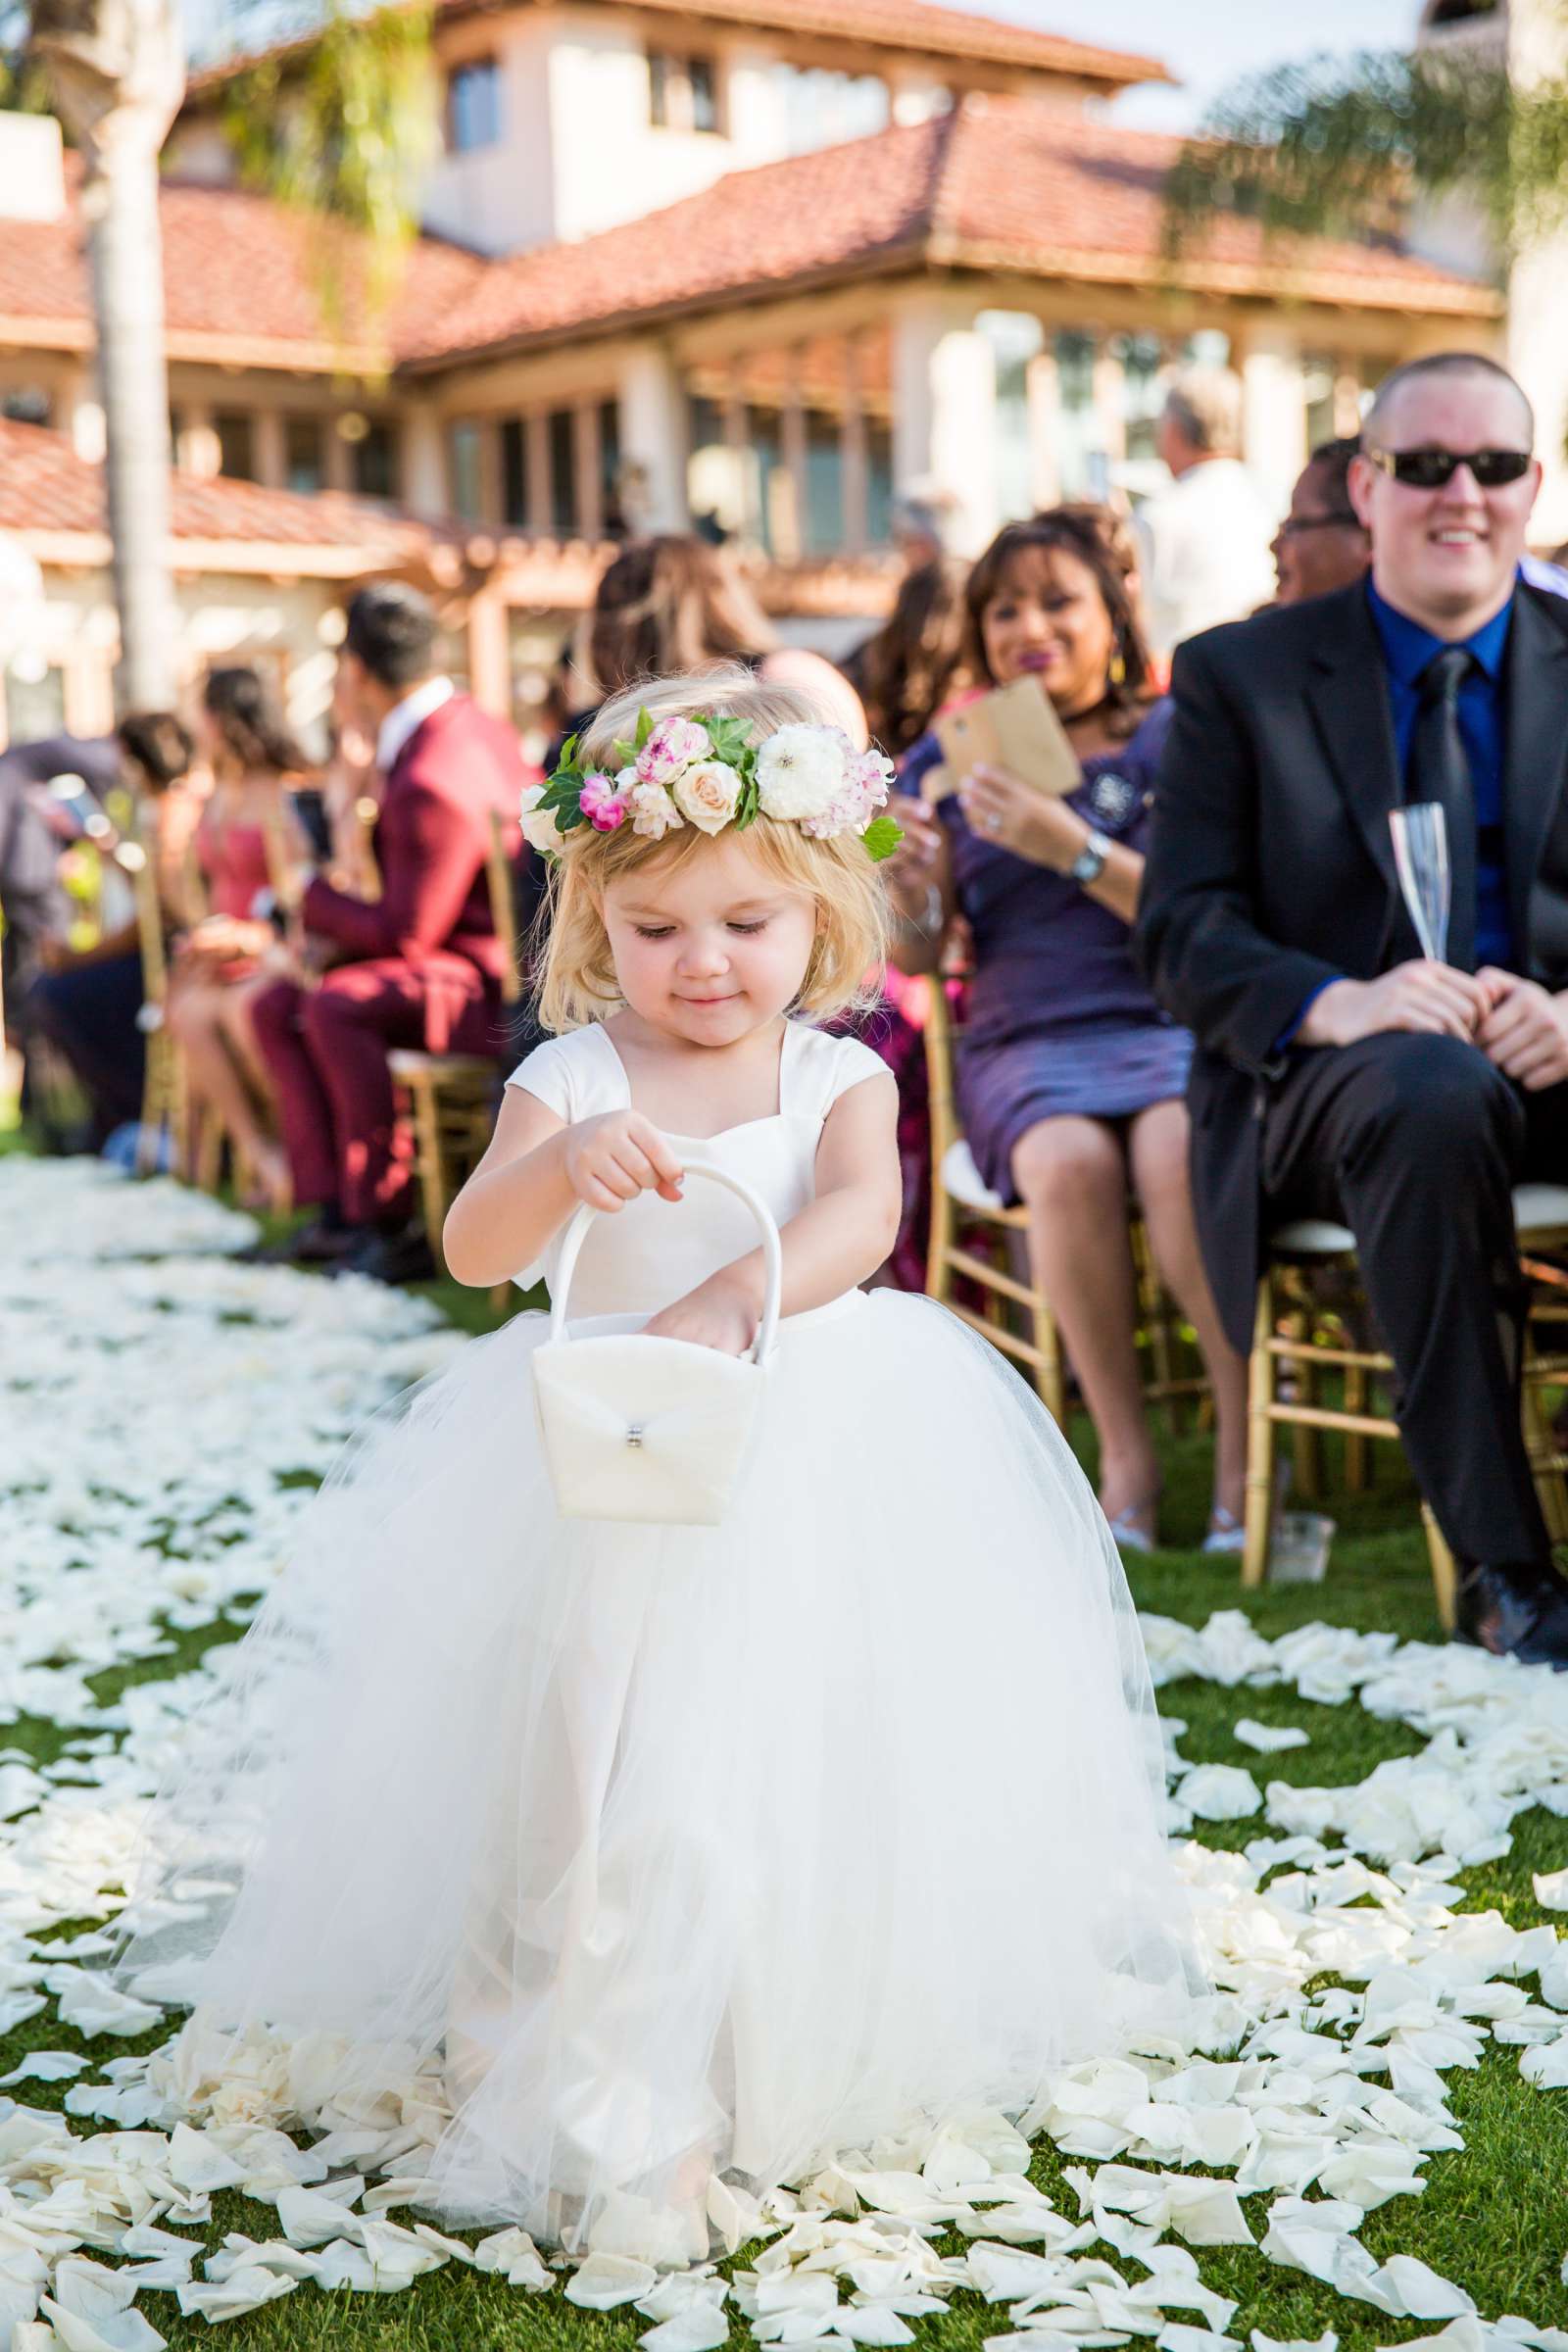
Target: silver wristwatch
{"points": [[1090, 863]]}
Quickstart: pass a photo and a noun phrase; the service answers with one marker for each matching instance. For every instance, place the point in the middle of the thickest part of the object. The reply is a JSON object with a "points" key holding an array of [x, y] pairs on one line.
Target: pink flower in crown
{"points": [[601, 802], [674, 743], [867, 780]]}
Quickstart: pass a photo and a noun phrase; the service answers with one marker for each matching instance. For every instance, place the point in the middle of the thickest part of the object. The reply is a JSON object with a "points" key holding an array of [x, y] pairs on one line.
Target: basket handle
{"points": [[772, 1257]]}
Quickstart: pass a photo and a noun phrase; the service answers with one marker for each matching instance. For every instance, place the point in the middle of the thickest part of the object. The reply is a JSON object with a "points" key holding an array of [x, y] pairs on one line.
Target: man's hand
{"points": [[1524, 1030], [1423, 996]]}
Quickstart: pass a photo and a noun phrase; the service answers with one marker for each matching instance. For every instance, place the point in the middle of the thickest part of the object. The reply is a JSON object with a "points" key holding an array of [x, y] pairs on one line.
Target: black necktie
{"points": [[1440, 770]]}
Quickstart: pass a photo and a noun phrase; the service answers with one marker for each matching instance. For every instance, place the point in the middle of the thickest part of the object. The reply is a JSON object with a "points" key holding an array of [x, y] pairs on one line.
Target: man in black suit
{"points": [[1340, 1073]]}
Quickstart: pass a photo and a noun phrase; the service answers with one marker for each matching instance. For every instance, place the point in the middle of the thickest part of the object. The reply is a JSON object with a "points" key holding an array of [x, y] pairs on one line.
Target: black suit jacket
{"points": [[1271, 863]]}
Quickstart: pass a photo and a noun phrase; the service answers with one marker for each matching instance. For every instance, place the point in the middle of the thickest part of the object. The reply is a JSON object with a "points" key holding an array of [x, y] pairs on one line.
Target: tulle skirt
{"points": [[670, 1855]]}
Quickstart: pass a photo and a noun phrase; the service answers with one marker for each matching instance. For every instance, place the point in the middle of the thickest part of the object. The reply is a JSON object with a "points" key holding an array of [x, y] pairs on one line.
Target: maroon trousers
{"points": [[326, 1049]]}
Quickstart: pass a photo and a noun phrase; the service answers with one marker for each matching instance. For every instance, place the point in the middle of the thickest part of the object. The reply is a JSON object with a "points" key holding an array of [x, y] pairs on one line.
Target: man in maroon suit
{"points": [[418, 967]]}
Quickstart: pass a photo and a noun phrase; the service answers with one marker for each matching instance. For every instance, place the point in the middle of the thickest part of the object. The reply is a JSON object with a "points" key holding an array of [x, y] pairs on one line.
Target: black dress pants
{"points": [[1415, 1143]]}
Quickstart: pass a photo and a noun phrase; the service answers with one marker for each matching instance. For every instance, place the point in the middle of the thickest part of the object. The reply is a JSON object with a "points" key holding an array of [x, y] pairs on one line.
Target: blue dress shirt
{"points": [[1407, 648]]}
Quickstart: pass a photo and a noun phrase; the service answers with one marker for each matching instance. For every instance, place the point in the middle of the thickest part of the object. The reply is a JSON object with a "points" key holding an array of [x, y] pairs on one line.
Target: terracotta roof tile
{"points": [[234, 276], [998, 184], [915, 27], [45, 486]]}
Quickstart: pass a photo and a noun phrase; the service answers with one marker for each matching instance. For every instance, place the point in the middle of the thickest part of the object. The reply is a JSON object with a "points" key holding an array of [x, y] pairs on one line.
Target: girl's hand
{"points": [[610, 1160], [718, 1313], [1000, 807]]}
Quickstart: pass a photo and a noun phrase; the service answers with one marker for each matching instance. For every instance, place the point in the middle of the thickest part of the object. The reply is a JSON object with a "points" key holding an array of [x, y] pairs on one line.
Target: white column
{"points": [[943, 412], [1110, 406], [424, 462], [1042, 394], [654, 437], [587, 461], [854, 471], [271, 463], [1273, 412], [199, 453]]}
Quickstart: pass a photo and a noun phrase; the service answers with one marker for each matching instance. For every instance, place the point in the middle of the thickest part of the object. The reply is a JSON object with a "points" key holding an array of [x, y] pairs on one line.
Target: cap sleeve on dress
{"points": [[826, 1068], [552, 1076]]}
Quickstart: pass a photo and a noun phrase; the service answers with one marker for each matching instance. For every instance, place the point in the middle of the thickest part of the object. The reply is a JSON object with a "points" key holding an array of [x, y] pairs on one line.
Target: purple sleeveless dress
{"points": [[1058, 1021]]}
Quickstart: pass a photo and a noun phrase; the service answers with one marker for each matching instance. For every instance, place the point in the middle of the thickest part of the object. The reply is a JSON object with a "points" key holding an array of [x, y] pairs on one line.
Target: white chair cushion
{"points": [[964, 1179], [1540, 1208], [1312, 1237], [1536, 1208]]}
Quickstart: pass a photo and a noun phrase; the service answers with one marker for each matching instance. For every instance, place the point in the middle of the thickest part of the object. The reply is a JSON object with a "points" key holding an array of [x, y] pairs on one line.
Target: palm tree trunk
{"points": [[119, 202], [116, 71]]}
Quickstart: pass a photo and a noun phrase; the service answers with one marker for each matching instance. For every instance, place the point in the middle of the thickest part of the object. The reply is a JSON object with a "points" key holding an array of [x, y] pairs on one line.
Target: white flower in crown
{"points": [[864, 790], [674, 743], [706, 794], [652, 811], [539, 830], [802, 770]]}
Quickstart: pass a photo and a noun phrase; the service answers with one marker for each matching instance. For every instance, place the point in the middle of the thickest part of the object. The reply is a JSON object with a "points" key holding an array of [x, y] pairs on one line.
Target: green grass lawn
{"points": [[1495, 2218]]}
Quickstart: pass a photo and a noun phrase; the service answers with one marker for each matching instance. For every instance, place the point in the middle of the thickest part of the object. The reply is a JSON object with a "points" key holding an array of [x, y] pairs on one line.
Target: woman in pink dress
{"points": [[249, 840]]}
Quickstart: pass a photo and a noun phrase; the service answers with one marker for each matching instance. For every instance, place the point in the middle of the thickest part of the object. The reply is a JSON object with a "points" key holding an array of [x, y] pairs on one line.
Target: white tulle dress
{"points": [[675, 1853]]}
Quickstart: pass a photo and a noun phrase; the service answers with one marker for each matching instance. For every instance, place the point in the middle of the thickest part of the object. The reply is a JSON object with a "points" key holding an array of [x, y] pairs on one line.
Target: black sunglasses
{"points": [[1435, 468]]}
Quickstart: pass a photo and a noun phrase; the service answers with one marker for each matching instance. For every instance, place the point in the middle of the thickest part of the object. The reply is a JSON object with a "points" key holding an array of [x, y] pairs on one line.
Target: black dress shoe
{"points": [[401, 1256], [1516, 1611], [323, 1242]]}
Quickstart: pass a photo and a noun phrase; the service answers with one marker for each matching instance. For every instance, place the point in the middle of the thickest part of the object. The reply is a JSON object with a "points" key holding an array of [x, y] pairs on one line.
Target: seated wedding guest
{"points": [[86, 1000], [1322, 543], [915, 662], [1207, 535], [1340, 1073], [249, 830], [35, 904], [1071, 1077], [674, 603], [419, 965]]}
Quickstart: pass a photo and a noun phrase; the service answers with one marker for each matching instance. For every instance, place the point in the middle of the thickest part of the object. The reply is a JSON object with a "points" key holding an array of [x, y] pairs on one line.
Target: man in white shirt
{"points": [[1208, 536]]}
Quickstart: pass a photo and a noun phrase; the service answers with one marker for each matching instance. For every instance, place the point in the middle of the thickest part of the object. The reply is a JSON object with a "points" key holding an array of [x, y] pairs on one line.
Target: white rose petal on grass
{"points": [[608, 2281], [46, 2066], [1327, 2342], [699, 2328], [1177, 2336], [1271, 1738], [1220, 1792], [229, 2298], [115, 2331], [514, 2256], [1552, 1888], [92, 2005]]}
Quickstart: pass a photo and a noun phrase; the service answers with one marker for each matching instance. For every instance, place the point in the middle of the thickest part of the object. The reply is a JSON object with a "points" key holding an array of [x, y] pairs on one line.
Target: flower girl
{"points": [[664, 1854]]}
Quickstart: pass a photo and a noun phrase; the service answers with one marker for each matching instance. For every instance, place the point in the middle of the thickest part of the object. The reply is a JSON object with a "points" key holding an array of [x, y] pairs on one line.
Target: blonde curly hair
{"points": [[578, 983]]}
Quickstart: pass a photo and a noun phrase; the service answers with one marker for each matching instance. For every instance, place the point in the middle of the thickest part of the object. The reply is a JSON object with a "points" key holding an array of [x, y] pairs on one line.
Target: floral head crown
{"points": [[705, 771]]}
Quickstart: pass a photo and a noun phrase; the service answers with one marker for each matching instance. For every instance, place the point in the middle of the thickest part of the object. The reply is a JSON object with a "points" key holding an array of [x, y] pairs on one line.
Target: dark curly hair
{"points": [[159, 744], [245, 711], [1080, 532], [915, 661]]}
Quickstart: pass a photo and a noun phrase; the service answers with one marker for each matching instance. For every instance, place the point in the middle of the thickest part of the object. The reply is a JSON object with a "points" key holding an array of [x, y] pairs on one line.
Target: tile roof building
{"points": [[807, 255]]}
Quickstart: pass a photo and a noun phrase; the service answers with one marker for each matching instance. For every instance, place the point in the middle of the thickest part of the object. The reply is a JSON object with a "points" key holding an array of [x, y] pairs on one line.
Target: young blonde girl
{"points": [[638, 1868]]}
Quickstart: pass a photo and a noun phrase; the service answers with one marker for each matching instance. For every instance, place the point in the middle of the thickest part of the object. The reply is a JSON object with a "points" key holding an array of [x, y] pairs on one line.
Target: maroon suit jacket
{"points": [[430, 843]]}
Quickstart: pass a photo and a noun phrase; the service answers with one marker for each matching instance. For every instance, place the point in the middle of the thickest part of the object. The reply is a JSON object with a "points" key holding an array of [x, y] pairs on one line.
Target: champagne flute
{"points": [[1420, 832]]}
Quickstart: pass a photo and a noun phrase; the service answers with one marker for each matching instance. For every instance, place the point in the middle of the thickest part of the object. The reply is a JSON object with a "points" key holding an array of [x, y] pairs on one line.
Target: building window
{"points": [[462, 466], [375, 466], [703, 81], [515, 473], [825, 109], [473, 106], [1016, 338], [563, 472], [26, 403], [236, 445], [683, 92], [878, 482], [304, 459]]}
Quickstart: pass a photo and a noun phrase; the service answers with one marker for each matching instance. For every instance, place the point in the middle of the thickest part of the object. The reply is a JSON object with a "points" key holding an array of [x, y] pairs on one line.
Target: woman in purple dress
{"points": [[1071, 1080]]}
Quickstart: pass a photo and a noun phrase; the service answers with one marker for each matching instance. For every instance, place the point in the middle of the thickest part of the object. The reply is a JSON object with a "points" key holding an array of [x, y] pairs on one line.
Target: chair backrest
{"points": [[503, 908], [149, 917], [938, 1036]]}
